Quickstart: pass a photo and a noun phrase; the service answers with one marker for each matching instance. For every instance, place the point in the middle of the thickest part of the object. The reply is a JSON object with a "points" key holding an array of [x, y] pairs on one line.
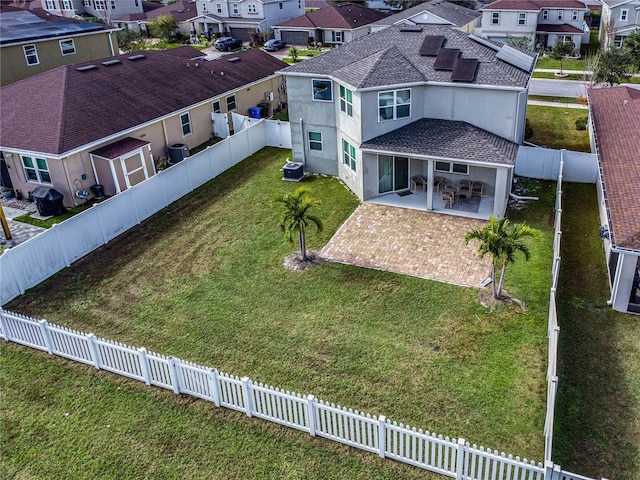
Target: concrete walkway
{"points": [[556, 104], [412, 242], [20, 232]]}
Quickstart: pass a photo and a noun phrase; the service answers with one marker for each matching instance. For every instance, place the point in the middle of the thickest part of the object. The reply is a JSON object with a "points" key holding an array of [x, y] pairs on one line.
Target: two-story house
{"points": [[427, 101], [543, 22], [32, 42], [238, 18], [619, 19], [111, 121], [106, 10]]}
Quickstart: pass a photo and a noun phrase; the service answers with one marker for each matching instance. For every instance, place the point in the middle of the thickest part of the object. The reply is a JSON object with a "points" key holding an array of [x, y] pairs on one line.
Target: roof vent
{"points": [[86, 68], [411, 29], [133, 58], [108, 63], [233, 59]]}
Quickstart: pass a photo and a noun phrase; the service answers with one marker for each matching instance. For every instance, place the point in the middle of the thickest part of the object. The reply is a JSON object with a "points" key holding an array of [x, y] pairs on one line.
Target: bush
{"points": [[581, 123]]}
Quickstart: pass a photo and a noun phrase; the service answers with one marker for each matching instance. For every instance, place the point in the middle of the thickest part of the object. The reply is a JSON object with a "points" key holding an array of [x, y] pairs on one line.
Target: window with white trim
{"points": [[574, 16], [67, 47], [545, 14], [449, 167], [100, 5], [49, 5], [231, 103], [337, 36], [87, 3], [315, 141], [617, 41], [235, 8], [36, 170], [218, 7], [204, 6], [522, 19], [495, 18], [624, 14], [560, 14], [113, 4], [216, 107], [31, 54], [322, 90], [67, 5], [185, 124], [348, 155], [346, 101], [251, 8], [394, 104]]}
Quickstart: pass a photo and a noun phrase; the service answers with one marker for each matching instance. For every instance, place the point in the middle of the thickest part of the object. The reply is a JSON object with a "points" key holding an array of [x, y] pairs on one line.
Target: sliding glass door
{"points": [[393, 173]]}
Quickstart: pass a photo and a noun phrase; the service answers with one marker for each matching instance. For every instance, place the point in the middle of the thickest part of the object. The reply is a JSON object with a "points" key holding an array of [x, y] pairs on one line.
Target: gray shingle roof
{"points": [[459, 16], [447, 139], [340, 63]]}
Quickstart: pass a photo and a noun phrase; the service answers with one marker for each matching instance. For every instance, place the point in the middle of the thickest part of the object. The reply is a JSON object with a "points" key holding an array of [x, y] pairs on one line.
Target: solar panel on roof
{"points": [[410, 29], [516, 58], [431, 45], [465, 70], [446, 59]]}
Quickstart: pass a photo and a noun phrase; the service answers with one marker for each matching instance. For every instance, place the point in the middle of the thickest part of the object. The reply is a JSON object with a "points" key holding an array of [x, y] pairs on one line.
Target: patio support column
{"points": [[429, 185], [502, 190]]}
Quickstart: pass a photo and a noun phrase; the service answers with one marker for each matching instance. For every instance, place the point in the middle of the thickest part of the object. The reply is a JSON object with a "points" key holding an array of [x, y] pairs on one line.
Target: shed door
{"points": [[134, 169], [294, 38]]}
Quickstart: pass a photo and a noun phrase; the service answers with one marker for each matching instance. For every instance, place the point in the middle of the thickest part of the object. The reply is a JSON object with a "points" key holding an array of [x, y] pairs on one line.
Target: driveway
{"points": [[412, 242]]}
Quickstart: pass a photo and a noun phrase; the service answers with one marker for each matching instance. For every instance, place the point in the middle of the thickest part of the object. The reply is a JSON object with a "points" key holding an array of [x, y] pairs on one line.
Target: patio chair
{"points": [[438, 182], [447, 197], [464, 188], [477, 189], [418, 181]]}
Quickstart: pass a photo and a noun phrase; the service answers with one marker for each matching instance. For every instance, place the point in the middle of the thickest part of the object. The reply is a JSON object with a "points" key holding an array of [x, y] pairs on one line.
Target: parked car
{"points": [[274, 45], [227, 43]]}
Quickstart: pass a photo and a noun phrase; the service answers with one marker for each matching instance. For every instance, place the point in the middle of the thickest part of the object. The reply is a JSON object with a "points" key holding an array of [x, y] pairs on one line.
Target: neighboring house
{"points": [[315, 4], [619, 19], [107, 122], [32, 42], [239, 18], [105, 10], [615, 137], [426, 100], [543, 22], [333, 25], [433, 12], [183, 11]]}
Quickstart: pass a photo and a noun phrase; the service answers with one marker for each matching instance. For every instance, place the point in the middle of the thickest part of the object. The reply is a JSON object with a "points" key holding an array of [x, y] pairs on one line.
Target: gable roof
{"points": [[535, 5], [615, 114], [362, 63], [446, 139], [67, 108], [181, 11], [344, 16], [456, 14]]}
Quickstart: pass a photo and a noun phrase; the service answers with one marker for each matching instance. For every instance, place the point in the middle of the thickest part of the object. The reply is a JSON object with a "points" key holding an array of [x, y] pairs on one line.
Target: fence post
{"points": [[173, 369], [382, 435], [93, 348], [4, 327], [215, 385], [460, 459], [144, 365], [311, 414], [551, 471], [46, 335], [246, 391]]}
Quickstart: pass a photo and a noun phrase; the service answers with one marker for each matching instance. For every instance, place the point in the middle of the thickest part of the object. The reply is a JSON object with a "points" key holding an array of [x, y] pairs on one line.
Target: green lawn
{"points": [[203, 280], [550, 63], [555, 127]]}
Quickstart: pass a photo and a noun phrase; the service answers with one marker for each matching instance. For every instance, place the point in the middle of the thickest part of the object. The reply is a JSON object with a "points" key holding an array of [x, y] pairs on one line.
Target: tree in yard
{"points": [[502, 240], [613, 66], [164, 27], [402, 4], [561, 50], [296, 215], [293, 53], [632, 45]]}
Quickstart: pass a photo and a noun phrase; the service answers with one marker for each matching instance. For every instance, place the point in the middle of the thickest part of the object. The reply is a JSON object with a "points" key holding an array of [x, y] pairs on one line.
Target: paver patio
{"points": [[412, 242]]}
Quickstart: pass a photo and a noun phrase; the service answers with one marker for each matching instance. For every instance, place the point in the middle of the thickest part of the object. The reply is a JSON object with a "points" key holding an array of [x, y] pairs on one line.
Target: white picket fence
{"points": [[35, 260], [448, 456]]}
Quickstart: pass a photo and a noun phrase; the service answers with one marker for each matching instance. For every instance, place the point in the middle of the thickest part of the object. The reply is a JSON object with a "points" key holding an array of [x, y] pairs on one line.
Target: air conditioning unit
{"points": [[293, 172]]}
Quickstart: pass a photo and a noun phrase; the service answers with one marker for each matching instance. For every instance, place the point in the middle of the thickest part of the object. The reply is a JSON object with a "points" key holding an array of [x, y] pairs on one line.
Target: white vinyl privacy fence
{"points": [[452, 457], [35, 260], [544, 164]]}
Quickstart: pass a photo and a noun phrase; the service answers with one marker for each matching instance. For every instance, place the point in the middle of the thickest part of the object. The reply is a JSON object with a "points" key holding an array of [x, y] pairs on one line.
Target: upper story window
{"points": [[624, 14], [136, 3], [49, 5], [322, 90], [560, 14], [346, 101], [315, 141], [574, 15], [113, 4], [185, 123], [522, 18], [280, 5], [215, 107], [218, 7], [36, 170], [87, 3], [67, 47], [495, 18], [66, 5], [394, 104], [100, 5], [235, 8], [545, 14], [299, 4], [231, 103], [251, 8], [31, 54], [204, 6]]}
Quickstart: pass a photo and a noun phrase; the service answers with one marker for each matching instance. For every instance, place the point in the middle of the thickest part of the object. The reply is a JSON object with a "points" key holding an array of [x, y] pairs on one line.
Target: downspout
{"points": [[304, 160], [111, 44], [66, 176], [166, 139], [616, 280]]}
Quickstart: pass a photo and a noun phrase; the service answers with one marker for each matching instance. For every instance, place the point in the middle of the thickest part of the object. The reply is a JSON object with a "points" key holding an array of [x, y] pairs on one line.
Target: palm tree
{"points": [[296, 215], [293, 53], [502, 241]]}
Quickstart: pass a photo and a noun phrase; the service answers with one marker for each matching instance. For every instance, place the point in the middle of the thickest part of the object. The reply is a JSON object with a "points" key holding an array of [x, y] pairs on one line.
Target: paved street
{"points": [[561, 88]]}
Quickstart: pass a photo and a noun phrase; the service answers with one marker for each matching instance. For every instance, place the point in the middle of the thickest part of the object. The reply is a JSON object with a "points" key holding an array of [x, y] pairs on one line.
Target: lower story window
{"points": [[349, 155], [448, 167], [231, 103], [315, 141], [185, 123], [31, 54], [617, 41], [36, 170]]}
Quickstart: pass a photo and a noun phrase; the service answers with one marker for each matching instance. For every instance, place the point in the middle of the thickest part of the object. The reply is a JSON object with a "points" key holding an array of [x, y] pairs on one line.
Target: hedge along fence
{"points": [[451, 457]]}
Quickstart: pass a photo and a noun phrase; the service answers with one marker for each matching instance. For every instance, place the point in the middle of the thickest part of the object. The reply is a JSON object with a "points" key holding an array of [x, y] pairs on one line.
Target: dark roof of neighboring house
{"points": [[459, 16], [564, 28], [616, 119], [20, 25], [391, 57], [181, 11], [345, 16], [66, 108], [534, 5], [446, 139], [315, 4], [119, 148]]}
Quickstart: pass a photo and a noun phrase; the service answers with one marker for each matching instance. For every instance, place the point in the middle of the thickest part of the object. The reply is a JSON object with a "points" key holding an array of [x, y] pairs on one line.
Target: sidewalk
{"points": [[570, 72], [556, 104]]}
